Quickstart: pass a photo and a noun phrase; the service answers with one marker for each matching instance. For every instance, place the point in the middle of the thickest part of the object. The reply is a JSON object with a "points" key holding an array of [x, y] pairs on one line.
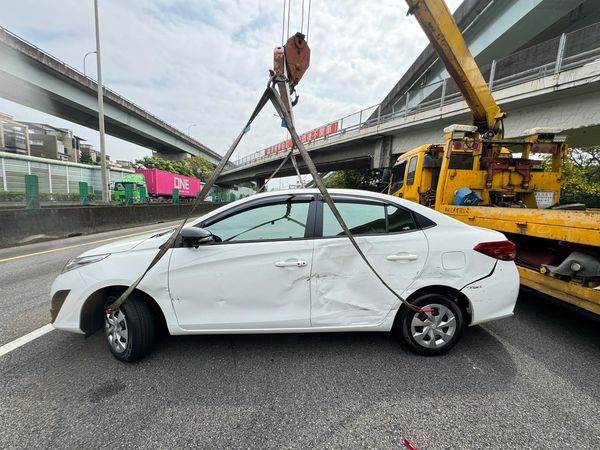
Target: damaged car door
{"points": [[344, 291], [256, 273]]}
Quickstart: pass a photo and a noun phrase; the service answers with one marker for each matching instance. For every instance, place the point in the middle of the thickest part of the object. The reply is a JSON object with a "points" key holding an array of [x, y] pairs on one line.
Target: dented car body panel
{"points": [[291, 271]]}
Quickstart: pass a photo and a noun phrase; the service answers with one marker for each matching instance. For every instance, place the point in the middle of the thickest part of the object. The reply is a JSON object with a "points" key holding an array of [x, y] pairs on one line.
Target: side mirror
{"points": [[194, 237]]}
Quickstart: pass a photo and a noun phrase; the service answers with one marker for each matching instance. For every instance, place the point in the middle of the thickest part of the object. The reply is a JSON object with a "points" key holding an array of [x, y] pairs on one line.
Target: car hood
{"points": [[144, 241]]}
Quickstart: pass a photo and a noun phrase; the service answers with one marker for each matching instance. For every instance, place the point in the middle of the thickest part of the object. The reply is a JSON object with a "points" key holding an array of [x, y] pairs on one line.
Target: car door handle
{"points": [[290, 263], [402, 257]]}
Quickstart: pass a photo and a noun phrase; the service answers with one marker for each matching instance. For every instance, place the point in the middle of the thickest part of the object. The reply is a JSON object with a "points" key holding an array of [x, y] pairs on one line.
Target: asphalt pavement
{"points": [[531, 381]]}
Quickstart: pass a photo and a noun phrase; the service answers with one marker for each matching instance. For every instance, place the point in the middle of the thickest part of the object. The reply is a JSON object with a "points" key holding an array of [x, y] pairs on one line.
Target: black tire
{"points": [[141, 330], [427, 347]]}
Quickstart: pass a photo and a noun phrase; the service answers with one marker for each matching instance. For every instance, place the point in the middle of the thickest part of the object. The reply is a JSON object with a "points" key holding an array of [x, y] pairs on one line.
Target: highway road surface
{"points": [[528, 381]]}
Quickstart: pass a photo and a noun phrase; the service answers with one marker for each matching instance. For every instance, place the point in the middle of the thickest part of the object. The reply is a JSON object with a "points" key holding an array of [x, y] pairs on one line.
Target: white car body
{"points": [[265, 287]]}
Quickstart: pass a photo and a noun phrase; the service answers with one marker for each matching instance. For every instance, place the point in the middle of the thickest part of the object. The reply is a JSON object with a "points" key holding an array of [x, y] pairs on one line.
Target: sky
{"points": [[205, 63]]}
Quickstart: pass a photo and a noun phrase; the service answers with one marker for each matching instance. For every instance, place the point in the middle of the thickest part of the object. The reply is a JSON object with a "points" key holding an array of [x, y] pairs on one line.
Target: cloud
{"points": [[206, 62]]}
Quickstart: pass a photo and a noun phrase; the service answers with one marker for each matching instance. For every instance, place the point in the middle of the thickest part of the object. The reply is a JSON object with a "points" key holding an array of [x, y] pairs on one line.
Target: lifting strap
{"points": [[295, 164], [199, 199], [283, 161], [284, 111]]}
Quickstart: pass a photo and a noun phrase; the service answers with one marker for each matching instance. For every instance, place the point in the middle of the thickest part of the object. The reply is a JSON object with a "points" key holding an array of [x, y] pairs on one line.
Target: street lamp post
{"points": [[190, 127], [84, 57], [103, 168]]}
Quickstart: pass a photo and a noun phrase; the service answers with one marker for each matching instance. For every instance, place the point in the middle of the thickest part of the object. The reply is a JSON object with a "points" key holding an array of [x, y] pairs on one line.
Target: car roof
{"points": [[436, 216]]}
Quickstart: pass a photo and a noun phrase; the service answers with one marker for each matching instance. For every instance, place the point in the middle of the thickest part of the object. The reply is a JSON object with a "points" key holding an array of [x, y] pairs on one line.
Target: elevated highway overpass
{"points": [[552, 80], [31, 77]]}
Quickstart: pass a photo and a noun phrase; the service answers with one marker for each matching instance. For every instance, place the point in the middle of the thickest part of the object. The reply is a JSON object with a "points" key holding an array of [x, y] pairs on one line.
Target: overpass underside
{"points": [[35, 79]]}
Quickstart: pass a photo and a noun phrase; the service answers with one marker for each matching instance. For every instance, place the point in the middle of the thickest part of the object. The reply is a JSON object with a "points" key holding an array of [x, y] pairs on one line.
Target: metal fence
{"points": [[568, 51], [54, 177]]}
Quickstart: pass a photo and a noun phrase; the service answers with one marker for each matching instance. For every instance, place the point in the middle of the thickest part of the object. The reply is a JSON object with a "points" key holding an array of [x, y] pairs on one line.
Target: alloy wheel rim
{"points": [[434, 328], [117, 331]]}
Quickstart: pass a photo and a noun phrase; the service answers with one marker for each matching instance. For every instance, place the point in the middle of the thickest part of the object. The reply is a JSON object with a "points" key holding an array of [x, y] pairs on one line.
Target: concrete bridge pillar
{"points": [[382, 153]]}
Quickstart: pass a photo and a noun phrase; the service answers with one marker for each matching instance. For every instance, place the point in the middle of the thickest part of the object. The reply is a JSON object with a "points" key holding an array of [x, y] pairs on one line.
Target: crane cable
{"points": [[288, 17], [283, 25], [302, 21], [308, 20]]}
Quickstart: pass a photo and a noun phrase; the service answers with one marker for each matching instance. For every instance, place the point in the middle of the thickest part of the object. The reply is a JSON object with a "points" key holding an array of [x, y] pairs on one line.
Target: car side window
{"points": [[412, 168], [398, 176], [400, 220], [361, 218], [285, 220]]}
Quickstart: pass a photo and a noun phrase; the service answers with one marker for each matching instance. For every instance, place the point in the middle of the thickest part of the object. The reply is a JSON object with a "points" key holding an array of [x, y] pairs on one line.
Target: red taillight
{"points": [[502, 250]]}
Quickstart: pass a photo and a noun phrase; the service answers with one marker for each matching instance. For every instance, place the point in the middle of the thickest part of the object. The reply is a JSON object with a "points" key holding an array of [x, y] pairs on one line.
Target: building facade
{"points": [[46, 141], [14, 136]]}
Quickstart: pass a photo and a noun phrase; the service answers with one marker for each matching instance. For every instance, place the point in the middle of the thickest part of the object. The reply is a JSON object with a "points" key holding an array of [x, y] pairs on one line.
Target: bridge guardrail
{"points": [[566, 52]]}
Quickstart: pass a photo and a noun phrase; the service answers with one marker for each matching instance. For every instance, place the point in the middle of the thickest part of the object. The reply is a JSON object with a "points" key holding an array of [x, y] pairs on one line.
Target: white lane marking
{"points": [[19, 342]]}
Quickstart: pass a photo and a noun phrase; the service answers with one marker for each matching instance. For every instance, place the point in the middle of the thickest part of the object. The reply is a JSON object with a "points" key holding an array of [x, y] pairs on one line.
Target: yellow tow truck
{"points": [[509, 185]]}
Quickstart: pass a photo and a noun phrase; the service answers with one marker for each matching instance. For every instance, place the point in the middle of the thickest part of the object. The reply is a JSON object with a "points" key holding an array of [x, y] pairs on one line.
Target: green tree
{"points": [[85, 157], [367, 179], [581, 177]]}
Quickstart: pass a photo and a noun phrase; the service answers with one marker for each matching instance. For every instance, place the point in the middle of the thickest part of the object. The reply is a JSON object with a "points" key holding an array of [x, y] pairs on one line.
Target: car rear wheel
{"points": [[434, 331], [130, 330]]}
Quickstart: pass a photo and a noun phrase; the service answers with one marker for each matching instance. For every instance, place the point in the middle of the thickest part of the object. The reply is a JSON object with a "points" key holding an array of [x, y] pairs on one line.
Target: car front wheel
{"points": [[435, 330], [130, 330]]}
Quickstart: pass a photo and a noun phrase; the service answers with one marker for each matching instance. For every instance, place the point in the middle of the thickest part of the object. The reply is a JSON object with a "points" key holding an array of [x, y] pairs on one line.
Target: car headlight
{"points": [[81, 261]]}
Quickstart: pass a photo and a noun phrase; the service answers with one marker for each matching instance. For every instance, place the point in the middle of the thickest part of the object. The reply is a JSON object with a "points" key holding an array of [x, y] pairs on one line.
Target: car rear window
{"points": [[400, 220], [368, 218]]}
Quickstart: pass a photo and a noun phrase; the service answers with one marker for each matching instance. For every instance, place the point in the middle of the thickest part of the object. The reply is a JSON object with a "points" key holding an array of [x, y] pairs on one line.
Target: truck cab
{"points": [[416, 173], [468, 170], [130, 190]]}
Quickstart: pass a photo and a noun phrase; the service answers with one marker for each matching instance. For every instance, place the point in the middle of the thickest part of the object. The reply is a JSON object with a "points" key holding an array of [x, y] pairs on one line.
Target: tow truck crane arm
{"points": [[441, 29]]}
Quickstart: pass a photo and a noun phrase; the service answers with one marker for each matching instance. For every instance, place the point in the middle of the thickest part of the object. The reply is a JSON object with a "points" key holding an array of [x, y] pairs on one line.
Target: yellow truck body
{"points": [[435, 184]]}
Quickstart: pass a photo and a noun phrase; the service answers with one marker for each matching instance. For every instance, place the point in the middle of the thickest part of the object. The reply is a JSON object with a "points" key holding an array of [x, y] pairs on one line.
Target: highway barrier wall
{"points": [[22, 226]]}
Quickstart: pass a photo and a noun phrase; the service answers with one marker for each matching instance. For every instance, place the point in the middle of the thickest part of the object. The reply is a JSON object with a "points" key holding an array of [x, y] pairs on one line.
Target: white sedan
{"points": [[280, 263]]}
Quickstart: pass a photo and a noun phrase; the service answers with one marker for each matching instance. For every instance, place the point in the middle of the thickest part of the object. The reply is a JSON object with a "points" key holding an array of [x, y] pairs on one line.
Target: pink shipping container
{"points": [[160, 183]]}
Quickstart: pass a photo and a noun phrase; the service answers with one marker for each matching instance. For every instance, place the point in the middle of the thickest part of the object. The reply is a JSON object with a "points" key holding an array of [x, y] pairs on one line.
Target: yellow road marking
{"points": [[27, 255]]}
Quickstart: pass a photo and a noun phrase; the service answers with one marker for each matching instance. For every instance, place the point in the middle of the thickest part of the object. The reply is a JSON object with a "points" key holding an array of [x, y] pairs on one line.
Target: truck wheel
{"points": [[431, 333], [130, 330]]}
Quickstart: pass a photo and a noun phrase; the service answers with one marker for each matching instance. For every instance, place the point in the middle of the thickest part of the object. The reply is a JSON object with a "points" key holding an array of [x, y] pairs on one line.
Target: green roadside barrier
{"points": [[84, 193], [143, 194], [32, 192], [128, 194]]}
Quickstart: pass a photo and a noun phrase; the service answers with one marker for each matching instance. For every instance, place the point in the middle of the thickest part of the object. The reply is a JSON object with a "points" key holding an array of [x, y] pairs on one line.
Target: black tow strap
{"points": [[201, 196], [281, 164], [283, 111]]}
